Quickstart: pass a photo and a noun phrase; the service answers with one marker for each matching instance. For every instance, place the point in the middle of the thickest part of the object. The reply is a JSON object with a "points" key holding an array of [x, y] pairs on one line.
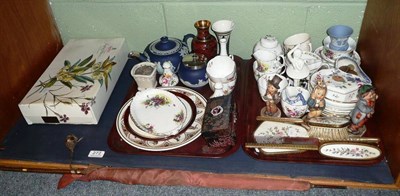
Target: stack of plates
{"points": [[161, 119], [160, 113]]}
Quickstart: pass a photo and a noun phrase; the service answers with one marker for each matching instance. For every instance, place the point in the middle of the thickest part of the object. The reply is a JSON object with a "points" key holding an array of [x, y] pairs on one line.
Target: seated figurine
{"points": [[316, 102]]}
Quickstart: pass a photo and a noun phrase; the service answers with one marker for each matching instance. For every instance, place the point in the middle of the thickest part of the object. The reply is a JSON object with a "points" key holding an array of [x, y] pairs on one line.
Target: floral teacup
{"points": [[294, 101]]}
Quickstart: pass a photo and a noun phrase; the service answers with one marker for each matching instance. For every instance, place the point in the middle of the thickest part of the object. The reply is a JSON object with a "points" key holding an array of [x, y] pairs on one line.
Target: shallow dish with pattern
{"points": [[159, 112], [135, 130], [188, 136]]}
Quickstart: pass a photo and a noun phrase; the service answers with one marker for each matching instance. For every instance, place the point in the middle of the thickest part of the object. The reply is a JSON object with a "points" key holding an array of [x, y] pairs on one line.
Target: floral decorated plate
{"points": [[319, 52], [159, 112], [272, 132], [352, 151], [173, 142], [131, 125]]}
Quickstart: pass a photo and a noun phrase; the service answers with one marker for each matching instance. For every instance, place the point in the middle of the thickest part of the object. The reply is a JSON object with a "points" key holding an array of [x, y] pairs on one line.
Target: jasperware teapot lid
{"points": [[165, 46]]}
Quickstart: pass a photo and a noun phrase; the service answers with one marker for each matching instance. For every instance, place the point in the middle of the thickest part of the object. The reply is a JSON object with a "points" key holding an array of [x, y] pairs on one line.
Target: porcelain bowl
{"points": [[221, 69], [294, 101]]}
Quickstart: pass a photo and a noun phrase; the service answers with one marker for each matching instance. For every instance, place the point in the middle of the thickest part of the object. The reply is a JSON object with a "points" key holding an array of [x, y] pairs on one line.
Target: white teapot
{"points": [[269, 43]]}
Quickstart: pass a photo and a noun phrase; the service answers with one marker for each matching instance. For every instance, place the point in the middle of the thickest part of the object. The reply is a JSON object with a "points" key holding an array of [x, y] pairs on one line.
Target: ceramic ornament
{"points": [[168, 78], [364, 109], [316, 102]]}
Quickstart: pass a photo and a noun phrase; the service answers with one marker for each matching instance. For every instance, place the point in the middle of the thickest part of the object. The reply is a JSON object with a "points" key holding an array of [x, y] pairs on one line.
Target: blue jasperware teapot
{"points": [[163, 50]]}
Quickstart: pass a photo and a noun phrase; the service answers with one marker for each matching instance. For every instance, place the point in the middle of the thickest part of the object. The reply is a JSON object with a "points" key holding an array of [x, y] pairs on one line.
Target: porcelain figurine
{"points": [[204, 43], [165, 49], [168, 78], [364, 108], [316, 102], [297, 70], [272, 97]]}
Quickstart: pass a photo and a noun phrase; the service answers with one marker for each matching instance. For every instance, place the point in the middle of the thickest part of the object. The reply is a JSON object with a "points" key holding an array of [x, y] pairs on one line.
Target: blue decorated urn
{"points": [[192, 72]]}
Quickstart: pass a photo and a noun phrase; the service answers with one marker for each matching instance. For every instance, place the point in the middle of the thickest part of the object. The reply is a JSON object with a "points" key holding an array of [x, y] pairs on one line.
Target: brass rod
{"points": [[282, 146]]}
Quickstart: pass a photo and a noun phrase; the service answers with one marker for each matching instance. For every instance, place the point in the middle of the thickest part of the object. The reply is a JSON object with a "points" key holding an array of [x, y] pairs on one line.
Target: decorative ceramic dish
{"points": [[353, 151], [349, 65], [312, 60], [191, 134], [319, 52], [159, 112], [341, 86], [335, 54], [135, 130]]}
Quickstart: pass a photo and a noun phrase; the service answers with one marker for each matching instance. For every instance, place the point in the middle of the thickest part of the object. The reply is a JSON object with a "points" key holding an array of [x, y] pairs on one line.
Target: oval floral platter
{"points": [[350, 151], [158, 112], [182, 139], [134, 129], [272, 132]]}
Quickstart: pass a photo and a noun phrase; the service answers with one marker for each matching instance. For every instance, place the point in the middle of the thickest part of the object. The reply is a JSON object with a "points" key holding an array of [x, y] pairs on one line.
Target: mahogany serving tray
{"points": [[199, 147], [254, 105]]}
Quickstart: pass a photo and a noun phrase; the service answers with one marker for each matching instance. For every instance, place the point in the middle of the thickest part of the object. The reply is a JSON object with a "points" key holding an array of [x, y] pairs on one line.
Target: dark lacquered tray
{"points": [[254, 105], [198, 147]]}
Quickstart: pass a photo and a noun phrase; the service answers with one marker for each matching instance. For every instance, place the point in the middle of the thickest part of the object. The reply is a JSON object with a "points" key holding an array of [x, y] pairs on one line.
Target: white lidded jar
{"points": [[269, 43]]}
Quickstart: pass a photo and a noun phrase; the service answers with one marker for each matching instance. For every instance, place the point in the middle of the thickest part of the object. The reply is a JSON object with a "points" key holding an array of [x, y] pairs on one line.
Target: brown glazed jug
{"points": [[204, 43]]}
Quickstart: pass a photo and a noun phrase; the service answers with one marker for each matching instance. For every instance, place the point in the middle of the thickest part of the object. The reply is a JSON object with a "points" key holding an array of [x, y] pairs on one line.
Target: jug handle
{"points": [[310, 46], [186, 38], [281, 59]]}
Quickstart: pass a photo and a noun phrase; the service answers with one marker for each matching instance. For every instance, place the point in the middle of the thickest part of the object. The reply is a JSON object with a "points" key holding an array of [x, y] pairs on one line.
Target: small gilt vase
{"points": [[204, 43]]}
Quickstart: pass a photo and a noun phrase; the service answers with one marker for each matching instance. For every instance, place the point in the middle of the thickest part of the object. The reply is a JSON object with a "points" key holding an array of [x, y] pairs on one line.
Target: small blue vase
{"points": [[339, 35]]}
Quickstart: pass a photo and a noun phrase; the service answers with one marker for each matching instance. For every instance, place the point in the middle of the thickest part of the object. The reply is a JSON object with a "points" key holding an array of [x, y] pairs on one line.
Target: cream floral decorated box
{"points": [[76, 86]]}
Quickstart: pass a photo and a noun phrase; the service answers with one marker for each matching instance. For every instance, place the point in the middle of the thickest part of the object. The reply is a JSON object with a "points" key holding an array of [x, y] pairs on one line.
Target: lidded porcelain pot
{"points": [[193, 71], [165, 49], [269, 43]]}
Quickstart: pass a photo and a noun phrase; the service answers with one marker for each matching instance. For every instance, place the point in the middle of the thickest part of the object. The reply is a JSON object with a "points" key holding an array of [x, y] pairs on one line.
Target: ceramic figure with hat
{"points": [[272, 97], [316, 102], [364, 108]]}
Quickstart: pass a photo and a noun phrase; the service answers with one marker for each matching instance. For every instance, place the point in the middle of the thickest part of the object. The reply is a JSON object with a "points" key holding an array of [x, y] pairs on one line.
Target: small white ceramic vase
{"points": [[168, 78]]}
